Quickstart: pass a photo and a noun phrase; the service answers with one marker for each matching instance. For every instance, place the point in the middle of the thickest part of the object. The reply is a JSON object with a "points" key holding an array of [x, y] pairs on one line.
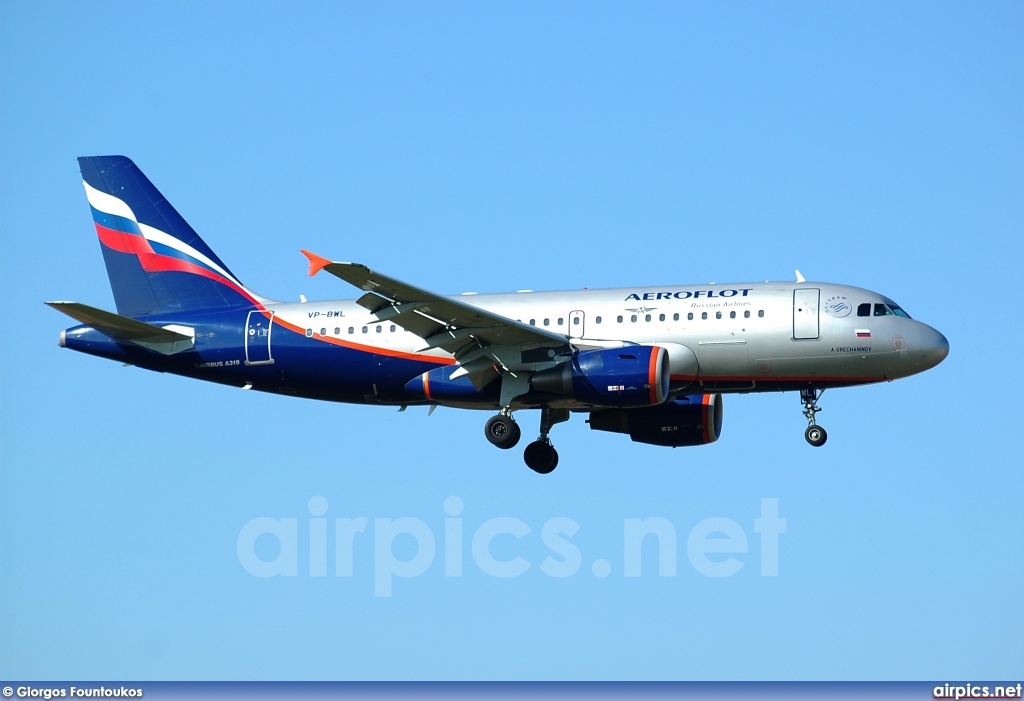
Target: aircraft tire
{"points": [[541, 457], [502, 432], [816, 436]]}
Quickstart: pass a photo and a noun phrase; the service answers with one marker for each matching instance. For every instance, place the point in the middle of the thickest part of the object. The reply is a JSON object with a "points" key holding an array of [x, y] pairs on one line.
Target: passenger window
{"points": [[598, 320], [378, 328], [718, 315], [351, 329], [366, 329], [689, 317], [732, 315], [533, 322], [547, 322], [661, 317], [392, 328], [323, 332], [647, 318], [864, 309], [633, 318], [575, 321], [337, 331], [760, 312], [675, 317], [309, 333], [882, 310], [746, 314], [560, 321], [703, 315], [619, 318]]}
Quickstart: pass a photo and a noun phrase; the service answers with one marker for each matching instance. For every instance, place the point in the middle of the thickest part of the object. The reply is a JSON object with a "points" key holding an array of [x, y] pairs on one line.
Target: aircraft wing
{"points": [[477, 338]]}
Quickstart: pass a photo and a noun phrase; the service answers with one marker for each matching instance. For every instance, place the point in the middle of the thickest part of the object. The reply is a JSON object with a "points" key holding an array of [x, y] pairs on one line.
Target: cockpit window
{"points": [[864, 309], [888, 309]]}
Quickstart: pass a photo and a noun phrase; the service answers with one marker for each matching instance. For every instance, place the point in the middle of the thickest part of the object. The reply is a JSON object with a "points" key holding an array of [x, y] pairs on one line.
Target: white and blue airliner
{"points": [[650, 362]]}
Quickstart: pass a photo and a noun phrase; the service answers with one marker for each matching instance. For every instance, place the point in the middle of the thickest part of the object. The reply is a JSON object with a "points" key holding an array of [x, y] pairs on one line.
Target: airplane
{"points": [[650, 362]]}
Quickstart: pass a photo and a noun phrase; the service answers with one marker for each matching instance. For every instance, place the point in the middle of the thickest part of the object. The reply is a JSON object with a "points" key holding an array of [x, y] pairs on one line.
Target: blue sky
{"points": [[495, 147]]}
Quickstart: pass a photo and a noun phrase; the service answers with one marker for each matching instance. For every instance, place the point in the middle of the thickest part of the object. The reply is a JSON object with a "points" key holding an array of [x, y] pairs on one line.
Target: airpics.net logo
{"points": [[407, 547]]}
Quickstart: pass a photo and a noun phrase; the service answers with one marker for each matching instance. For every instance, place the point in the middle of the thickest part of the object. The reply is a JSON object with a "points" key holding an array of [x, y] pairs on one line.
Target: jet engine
{"points": [[633, 376], [689, 420]]}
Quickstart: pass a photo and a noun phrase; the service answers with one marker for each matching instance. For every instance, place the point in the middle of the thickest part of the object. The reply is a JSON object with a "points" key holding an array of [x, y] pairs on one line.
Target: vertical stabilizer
{"points": [[155, 261]]}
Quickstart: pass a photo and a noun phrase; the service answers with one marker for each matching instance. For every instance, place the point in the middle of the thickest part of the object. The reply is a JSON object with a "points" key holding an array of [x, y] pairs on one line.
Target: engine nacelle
{"points": [[633, 376], [438, 386], [691, 420]]}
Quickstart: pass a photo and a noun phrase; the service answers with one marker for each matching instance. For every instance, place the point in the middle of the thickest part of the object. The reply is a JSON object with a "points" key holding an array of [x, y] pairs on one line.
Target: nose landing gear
{"points": [[814, 434]]}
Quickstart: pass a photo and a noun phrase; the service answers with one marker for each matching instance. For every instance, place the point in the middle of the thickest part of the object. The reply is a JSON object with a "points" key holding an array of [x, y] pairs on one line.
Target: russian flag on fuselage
{"points": [[155, 261]]}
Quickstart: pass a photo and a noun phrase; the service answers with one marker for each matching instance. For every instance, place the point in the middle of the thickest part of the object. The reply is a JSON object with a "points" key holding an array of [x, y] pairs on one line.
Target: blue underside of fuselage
{"points": [[301, 366]]}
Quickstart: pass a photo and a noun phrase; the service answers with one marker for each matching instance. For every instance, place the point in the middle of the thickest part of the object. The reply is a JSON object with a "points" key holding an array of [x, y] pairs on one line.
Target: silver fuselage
{"points": [[741, 337]]}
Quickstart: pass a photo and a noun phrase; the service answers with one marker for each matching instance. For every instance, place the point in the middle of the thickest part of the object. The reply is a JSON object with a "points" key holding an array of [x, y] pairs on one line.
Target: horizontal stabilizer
{"points": [[164, 340]]}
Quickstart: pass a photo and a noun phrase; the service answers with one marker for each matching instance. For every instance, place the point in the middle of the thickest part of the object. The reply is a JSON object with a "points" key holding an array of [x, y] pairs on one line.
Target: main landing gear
{"points": [[502, 430], [540, 456], [814, 434]]}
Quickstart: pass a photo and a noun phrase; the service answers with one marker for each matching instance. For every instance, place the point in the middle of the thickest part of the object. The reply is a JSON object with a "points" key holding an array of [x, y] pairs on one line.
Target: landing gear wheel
{"points": [[541, 457], [502, 431], [816, 436]]}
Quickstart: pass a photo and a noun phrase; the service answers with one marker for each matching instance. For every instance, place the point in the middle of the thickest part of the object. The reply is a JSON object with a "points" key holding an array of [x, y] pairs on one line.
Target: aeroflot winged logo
{"points": [[688, 294]]}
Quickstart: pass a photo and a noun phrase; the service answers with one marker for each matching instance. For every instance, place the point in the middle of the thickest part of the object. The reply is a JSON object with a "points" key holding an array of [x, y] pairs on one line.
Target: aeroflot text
{"points": [[710, 545], [687, 294]]}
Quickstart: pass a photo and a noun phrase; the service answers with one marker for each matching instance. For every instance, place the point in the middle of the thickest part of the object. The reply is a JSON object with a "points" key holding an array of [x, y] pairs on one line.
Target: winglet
{"points": [[316, 263]]}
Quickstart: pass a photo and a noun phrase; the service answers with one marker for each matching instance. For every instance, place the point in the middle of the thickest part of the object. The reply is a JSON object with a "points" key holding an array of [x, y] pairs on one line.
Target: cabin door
{"points": [[805, 314]]}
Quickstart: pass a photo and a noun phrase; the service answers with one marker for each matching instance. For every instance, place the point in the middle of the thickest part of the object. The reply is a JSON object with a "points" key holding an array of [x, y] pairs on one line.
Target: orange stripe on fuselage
{"points": [[365, 349], [768, 379]]}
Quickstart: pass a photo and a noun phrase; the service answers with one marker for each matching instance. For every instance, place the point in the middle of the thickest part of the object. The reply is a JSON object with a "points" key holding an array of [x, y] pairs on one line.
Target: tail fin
{"points": [[155, 261]]}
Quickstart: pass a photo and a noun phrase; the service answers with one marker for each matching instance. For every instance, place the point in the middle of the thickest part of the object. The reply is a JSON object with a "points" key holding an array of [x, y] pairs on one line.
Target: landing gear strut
{"points": [[502, 430], [541, 456], [814, 434]]}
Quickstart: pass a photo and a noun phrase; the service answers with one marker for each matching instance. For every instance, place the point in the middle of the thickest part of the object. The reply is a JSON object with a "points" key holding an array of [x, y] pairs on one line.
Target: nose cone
{"points": [[932, 347]]}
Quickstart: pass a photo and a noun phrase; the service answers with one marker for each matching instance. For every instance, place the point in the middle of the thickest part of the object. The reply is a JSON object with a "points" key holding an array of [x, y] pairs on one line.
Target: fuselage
{"points": [[739, 337]]}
